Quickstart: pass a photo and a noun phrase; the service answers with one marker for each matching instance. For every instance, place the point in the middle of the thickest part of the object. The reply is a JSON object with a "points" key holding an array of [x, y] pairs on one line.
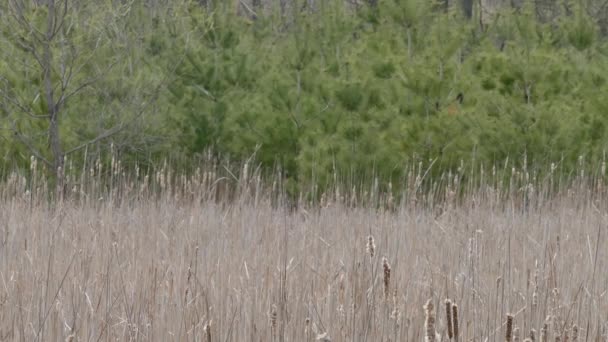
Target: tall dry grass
{"points": [[157, 256]]}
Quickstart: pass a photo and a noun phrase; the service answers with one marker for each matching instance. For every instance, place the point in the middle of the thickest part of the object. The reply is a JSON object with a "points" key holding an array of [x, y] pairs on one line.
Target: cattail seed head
{"points": [[429, 322], [509, 334], [387, 277], [455, 321], [371, 246], [448, 315], [532, 335]]}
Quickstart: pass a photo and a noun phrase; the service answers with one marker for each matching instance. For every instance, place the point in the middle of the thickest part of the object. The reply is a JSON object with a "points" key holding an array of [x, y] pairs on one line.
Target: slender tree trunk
{"points": [[467, 8], [53, 107]]}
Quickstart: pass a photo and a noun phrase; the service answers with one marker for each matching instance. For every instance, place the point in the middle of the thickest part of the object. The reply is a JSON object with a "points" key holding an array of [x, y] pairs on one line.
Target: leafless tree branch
{"points": [[30, 146]]}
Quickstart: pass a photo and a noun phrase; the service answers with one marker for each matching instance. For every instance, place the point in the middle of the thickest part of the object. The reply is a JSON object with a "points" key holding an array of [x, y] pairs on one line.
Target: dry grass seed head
{"points": [[387, 277], [371, 246]]}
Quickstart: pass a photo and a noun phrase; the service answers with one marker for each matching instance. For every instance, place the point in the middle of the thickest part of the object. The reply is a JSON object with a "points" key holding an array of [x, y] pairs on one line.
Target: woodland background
{"points": [[316, 91]]}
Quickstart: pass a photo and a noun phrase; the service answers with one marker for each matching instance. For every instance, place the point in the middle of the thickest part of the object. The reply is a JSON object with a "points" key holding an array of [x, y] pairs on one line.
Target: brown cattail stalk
{"points": [[509, 334], [387, 277], [455, 321], [429, 322], [448, 315]]}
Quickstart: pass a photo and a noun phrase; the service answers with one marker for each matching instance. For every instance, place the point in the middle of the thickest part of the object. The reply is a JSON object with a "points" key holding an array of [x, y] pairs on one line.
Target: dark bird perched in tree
{"points": [[460, 98], [454, 107]]}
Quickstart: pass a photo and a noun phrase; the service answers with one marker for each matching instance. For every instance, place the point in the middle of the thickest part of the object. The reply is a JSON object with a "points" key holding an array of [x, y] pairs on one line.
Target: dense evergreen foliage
{"points": [[324, 92]]}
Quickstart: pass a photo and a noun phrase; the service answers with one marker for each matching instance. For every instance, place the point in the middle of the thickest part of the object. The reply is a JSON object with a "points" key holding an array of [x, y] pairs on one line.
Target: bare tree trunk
{"points": [[53, 107], [467, 8]]}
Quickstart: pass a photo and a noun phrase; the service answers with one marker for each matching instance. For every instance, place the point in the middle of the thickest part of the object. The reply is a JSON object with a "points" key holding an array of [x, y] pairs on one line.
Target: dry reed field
{"points": [[164, 258]]}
